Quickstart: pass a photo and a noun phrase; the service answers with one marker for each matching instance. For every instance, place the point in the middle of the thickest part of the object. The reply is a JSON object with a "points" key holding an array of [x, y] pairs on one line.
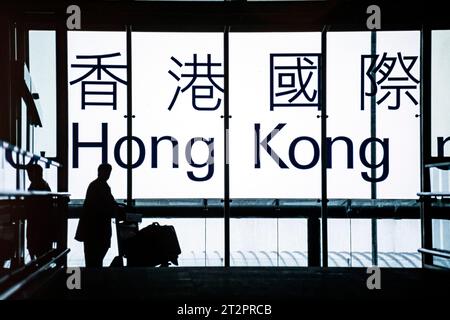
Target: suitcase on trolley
{"points": [[153, 245]]}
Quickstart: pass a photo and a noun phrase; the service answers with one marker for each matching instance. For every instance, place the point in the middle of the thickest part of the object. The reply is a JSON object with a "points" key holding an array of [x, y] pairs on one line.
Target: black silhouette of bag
{"points": [[151, 246], [117, 262]]}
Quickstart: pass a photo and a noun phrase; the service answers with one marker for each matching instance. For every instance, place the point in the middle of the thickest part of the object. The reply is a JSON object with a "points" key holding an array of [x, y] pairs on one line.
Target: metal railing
{"points": [[19, 280]]}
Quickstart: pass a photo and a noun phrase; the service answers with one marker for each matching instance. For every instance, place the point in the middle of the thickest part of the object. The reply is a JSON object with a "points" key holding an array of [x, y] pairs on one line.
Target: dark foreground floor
{"points": [[220, 285]]}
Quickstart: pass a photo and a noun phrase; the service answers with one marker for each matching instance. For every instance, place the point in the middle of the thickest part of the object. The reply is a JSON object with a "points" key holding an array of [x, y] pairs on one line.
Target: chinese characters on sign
{"points": [[99, 92], [387, 77], [204, 91], [294, 80], [294, 83]]}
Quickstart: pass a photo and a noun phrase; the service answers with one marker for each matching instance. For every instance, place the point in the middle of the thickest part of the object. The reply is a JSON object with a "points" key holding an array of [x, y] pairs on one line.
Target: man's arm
{"points": [[113, 207]]}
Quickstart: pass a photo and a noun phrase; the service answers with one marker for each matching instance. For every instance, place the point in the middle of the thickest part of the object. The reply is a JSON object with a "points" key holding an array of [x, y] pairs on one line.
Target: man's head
{"points": [[35, 172], [104, 171]]}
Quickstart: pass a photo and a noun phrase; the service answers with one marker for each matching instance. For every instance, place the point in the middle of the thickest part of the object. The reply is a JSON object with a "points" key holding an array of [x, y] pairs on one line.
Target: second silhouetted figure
{"points": [[94, 227], [39, 224]]}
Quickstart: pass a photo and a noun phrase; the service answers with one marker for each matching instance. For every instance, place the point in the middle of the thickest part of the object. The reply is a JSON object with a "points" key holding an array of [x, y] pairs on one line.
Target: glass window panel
{"points": [[349, 243], [267, 100], [24, 125], [9, 171], [284, 242], [3, 173], [42, 57], [253, 242], [23, 181], [441, 234], [292, 242], [440, 180], [23, 174], [441, 240], [97, 105], [178, 101], [400, 126], [75, 258], [5, 181], [347, 126], [2, 169], [440, 114], [398, 242], [214, 242], [396, 127]]}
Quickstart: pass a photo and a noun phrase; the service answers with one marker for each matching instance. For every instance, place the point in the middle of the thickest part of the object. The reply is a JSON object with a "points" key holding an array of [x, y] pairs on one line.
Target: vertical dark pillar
{"points": [[5, 76], [373, 160], [425, 146], [129, 117], [17, 91], [26, 60], [324, 155], [226, 126], [313, 242], [62, 108]]}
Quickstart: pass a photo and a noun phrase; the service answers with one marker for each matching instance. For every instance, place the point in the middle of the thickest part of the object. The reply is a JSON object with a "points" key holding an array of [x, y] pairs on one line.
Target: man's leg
{"points": [[91, 256], [94, 255], [102, 253]]}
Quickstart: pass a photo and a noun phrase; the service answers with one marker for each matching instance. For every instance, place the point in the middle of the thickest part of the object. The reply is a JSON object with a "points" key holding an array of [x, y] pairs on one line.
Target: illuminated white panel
{"points": [[255, 107], [345, 118], [169, 107], [397, 132], [401, 126], [89, 120], [440, 107]]}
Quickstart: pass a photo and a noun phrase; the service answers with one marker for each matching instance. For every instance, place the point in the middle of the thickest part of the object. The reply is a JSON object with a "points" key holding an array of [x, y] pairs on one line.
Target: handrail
{"points": [[8, 146], [433, 194], [286, 203], [16, 286], [441, 163], [18, 193], [436, 252], [288, 208]]}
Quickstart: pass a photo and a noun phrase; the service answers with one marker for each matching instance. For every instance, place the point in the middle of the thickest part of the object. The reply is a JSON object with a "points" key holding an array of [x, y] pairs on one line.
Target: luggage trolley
{"points": [[149, 247], [127, 227]]}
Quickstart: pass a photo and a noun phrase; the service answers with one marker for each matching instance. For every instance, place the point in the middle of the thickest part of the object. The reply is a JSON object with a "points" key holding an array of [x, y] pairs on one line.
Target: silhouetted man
{"points": [[39, 223], [94, 227]]}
